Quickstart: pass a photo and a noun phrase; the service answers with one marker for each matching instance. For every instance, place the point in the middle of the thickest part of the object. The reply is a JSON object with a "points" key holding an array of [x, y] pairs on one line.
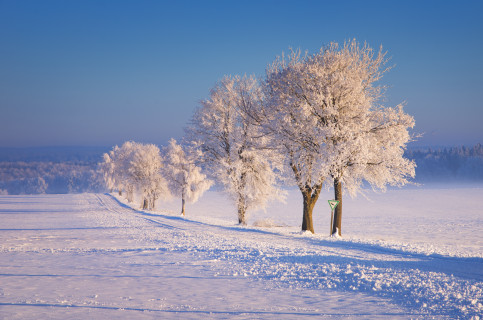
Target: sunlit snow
{"points": [[404, 254]]}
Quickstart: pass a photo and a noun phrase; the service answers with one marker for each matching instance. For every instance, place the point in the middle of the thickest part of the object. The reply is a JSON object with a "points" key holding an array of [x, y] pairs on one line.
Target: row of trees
{"points": [[136, 167], [314, 121]]}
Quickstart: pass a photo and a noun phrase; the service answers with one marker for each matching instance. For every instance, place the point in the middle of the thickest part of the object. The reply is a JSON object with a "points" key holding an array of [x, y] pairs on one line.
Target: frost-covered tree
{"points": [[377, 157], [106, 167], [184, 176], [115, 168], [145, 173], [135, 167], [323, 111], [295, 129], [35, 185], [231, 144]]}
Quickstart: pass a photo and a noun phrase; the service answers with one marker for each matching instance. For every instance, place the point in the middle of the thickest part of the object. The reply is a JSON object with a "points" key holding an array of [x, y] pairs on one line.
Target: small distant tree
{"points": [[35, 185], [145, 173], [184, 177], [231, 144], [106, 168], [135, 166], [115, 169]]}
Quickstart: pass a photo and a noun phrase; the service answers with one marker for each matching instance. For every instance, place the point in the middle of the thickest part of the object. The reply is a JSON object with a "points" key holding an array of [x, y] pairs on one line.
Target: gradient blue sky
{"points": [[97, 73]]}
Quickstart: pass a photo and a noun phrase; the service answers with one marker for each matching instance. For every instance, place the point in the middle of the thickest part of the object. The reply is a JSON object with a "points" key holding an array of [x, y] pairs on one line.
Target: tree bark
{"points": [[182, 204], [130, 193], [337, 226], [145, 204], [307, 222], [153, 202], [241, 215], [242, 203], [310, 195]]}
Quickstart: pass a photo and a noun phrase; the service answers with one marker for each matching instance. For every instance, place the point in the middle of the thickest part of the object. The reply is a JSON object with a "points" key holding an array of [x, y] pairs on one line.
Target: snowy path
{"points": [[91, 256]]}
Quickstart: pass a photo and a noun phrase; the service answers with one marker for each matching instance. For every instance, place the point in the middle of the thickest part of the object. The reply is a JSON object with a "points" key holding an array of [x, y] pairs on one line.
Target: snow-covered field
{"points": [[405, 254]]}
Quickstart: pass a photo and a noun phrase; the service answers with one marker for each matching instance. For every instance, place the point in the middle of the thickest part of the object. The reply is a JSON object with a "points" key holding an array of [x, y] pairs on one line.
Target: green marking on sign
{"points": [[333, 204]]}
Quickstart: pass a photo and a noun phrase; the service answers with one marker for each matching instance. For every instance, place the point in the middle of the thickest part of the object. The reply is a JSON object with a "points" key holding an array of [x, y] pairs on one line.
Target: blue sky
{"points": [[98, 73]]}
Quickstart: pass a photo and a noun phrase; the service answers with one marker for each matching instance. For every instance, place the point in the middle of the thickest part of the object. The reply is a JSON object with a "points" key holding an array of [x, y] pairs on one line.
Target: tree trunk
{"points": [[182, 203], [241, 215], [310, 195], [152, 202], [130, 193], [242, 208], [338, 210], [145, 204], [309, 203]]}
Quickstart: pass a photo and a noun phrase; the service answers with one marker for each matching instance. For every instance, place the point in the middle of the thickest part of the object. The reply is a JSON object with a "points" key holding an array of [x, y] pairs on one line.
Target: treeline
{"points": [[56, 175], [91, 155], [35, 177], [314, 121], [448, 164], [50, 170], [143, 170]]}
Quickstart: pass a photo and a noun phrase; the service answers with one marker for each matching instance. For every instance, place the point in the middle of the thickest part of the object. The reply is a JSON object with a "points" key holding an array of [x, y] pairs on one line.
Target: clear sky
{"points": [[98, 73]]}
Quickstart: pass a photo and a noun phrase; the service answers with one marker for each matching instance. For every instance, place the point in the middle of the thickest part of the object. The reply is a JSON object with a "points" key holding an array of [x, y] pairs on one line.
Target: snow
{"points": [[405, 254]]}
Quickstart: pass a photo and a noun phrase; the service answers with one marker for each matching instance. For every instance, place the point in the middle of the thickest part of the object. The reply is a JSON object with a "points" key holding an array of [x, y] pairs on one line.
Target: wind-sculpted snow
{"points": [[55, 246], [433, 285], [430, 284]]}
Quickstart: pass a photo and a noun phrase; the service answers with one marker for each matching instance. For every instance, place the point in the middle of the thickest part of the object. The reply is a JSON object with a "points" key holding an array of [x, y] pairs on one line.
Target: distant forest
{"points": [[50, 170], [448, 164], [75, 170]]}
